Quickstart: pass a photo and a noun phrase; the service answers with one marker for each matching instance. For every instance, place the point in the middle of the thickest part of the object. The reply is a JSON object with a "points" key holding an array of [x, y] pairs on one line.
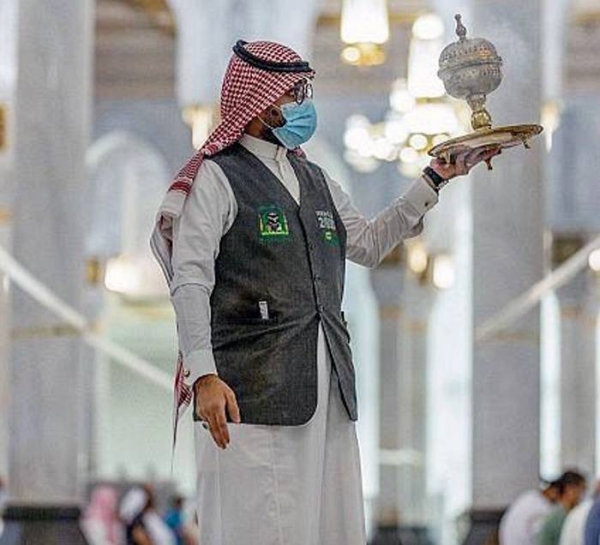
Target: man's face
{"points": [[573, 494], [553, 493], [272, 115]]}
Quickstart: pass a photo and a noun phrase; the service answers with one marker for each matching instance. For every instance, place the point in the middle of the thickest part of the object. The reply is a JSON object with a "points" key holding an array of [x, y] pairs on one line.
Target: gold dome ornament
{"points": [[471, 69]]}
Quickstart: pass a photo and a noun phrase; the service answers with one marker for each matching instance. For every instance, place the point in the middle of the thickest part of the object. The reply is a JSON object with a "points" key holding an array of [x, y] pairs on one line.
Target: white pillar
{"points": [[387, 283], [419, 297], [404, 307], [47, 459], [8, 71], [579, 305], [555, 19], [207, 31], [507, 259]]}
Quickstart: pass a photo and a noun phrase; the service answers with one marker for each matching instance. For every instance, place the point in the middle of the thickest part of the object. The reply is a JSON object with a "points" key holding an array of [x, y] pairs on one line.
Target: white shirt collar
{"points": [[262, 148]]}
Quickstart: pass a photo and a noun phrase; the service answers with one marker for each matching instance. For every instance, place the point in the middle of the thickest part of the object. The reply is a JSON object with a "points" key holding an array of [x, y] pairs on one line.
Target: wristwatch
{"points": [[437, 182]]}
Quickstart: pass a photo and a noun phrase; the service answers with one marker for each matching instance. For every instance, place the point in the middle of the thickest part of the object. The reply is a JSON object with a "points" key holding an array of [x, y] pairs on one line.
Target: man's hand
{"points": [[464, 162], [213, 398]]}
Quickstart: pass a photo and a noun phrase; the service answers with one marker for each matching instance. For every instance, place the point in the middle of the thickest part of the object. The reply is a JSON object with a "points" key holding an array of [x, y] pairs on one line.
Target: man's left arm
{"points": [[369, 241]]}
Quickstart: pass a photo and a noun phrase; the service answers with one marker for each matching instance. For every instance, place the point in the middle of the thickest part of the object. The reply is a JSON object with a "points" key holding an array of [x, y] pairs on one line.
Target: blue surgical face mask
{"points": [[300, 123]]}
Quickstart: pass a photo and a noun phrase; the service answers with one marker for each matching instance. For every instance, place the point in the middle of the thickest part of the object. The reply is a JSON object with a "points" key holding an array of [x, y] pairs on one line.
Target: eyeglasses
{"points": [[301, 91]]}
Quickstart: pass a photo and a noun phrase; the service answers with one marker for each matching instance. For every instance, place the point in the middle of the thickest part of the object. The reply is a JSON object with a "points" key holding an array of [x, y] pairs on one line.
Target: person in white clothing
{"points": [[525, 516], [573, 532], [253, 238]]}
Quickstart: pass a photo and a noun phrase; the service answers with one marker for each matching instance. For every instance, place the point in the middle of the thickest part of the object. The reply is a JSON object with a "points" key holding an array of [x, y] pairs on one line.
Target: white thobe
{"points": [[524, 519], [573, 530], [276, 485]]}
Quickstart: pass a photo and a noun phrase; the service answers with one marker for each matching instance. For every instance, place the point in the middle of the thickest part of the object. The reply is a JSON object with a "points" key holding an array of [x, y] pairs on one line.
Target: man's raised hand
{"points": [[464, 162]]}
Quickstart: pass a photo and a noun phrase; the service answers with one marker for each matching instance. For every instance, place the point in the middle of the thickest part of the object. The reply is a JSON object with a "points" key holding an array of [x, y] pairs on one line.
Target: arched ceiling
{"points": [[135, 49]]}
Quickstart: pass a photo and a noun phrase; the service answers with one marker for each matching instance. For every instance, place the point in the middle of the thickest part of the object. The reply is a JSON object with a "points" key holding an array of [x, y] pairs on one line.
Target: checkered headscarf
{"points": [[246, 91]]}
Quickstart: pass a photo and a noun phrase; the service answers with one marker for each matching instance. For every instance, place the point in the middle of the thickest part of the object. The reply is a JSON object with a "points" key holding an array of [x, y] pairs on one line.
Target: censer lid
{"points": [[467, 51]]}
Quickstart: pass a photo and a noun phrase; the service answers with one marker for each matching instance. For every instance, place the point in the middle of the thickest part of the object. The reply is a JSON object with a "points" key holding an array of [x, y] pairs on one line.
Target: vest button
{"points": [[316, 278], [320, 308], [311, 246]]}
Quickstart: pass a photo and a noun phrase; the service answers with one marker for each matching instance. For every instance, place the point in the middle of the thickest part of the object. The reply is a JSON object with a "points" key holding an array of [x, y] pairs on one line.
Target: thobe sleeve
{"points": [[369, 241], [208, 213]]}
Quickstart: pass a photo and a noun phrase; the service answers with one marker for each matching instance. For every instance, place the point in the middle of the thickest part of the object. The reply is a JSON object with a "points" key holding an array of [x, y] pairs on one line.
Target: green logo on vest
{"points": [[327, 225], [272, 223]]}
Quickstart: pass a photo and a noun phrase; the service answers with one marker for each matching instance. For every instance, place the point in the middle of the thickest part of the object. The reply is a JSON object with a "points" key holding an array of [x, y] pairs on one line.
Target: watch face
{"points": [[434, 176]]}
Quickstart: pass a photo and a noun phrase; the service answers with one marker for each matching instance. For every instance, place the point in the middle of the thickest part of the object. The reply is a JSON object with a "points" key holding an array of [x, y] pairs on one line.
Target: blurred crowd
{"points": [[558, 513], [134, 519]]}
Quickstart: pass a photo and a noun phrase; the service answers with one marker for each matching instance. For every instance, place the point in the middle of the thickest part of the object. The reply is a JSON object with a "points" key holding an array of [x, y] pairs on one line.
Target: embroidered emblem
{"points": [[272, 222], [327, 225]]}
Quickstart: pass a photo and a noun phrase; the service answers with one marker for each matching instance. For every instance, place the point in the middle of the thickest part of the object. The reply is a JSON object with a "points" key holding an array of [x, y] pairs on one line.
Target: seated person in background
{"points": [[143, 524], [101, 523], [591, 535], [572, 485], [524, 518], [175, 519], [573, 532]]}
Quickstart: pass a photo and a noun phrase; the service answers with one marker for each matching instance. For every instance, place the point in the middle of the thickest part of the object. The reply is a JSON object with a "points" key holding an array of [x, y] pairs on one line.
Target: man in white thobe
{"points": [[573, 532], [256, 277], [524, 518]]}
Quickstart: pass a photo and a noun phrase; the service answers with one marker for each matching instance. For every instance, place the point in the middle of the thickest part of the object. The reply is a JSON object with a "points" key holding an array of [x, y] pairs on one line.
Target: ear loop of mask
{"points": [[265, 123]]}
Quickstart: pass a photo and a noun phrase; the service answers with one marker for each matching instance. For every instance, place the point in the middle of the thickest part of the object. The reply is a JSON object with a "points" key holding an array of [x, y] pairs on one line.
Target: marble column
{"points": [[555, 14], [47, 457], [404, 307], [8, 71], [579, 305], [507, 258], [419, 296], [207, 31], [387, 281], [4, 354]]}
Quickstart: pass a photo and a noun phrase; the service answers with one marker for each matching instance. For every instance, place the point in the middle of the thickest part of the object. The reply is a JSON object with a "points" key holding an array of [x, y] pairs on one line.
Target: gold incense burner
{"points": [[471, 69]]}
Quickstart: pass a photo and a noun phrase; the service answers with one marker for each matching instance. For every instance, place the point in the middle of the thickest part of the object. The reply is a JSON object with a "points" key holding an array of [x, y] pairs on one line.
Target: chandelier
{"points": [[364, 30], [420, 115]]}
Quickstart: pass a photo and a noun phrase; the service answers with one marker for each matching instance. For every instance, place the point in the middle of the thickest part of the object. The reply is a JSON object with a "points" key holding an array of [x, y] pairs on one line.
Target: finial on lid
{"points": [[461, 30]]}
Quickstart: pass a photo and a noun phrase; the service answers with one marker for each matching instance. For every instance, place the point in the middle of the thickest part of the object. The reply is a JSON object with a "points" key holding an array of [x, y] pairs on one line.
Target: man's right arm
{"points": [[208, 213]]}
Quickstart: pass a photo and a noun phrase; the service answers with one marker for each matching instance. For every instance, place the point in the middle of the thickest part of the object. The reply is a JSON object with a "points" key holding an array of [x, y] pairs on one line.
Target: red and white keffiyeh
{"points": [[246, 91]]}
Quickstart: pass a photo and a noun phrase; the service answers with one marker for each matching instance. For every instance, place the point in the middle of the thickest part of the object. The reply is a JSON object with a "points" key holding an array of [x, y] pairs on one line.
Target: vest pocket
{"points": [[257, 313], [248, 320]]}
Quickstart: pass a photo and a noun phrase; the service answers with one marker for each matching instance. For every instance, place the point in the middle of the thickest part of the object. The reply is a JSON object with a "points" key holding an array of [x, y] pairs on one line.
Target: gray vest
{"points": [[280, 271]]}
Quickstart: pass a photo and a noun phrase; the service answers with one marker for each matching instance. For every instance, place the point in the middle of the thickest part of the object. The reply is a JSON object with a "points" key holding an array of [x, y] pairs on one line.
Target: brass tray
{"points": [[505, 137]]}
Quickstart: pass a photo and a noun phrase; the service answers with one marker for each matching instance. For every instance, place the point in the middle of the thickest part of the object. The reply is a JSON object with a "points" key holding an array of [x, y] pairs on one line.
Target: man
{"points": [[253, 238], [525, 516], [573, 532], [572, 491]]}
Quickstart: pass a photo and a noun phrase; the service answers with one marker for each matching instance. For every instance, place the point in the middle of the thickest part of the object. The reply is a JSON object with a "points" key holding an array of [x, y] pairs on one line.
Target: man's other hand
{"points": [[213, 398]]}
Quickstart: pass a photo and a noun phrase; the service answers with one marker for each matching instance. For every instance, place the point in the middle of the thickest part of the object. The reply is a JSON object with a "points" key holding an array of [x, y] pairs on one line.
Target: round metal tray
{"points": [[499, 137]]}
